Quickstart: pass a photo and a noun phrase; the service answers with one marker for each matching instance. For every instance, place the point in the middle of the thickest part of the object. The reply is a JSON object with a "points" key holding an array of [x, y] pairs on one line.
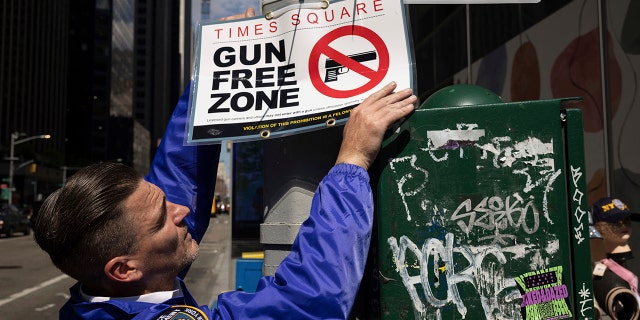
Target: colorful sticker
{"points": [[544, 295]]}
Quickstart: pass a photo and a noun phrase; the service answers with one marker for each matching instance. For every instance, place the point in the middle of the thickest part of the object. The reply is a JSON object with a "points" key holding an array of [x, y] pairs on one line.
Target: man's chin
{"points": [[193, 254], [188, 260]]}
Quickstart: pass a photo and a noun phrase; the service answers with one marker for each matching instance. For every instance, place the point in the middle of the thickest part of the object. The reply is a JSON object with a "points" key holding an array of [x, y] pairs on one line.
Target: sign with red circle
{"points": [[302, 70], [323, 47]]}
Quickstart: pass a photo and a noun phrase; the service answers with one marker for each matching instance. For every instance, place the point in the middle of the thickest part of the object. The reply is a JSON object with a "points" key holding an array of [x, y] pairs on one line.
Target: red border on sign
{"points": [[322, 48]]}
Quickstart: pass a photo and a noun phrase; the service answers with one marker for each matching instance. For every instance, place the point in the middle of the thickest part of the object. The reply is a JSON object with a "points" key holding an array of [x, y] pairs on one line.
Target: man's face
{"points": [[615, 232], [164, 243]]}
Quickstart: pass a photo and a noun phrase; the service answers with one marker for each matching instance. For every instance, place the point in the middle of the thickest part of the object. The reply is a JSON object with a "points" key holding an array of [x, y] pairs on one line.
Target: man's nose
{"points": [[177, 212]]}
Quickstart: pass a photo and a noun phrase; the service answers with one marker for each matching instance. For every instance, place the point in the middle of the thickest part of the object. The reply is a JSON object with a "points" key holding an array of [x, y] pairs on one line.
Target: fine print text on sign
{"points": [[304, 70]]}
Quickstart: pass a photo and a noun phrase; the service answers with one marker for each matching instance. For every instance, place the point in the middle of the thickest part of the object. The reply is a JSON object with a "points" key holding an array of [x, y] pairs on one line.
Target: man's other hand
{"points": [[250, 12]]}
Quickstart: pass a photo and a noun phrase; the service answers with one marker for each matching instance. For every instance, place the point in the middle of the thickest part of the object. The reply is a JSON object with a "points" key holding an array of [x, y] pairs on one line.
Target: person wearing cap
{"points": [[611, 218], [615, 286]]}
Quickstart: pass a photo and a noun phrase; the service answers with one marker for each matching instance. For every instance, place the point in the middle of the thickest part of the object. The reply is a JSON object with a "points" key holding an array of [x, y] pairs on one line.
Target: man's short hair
{"points": [[82, 225]]}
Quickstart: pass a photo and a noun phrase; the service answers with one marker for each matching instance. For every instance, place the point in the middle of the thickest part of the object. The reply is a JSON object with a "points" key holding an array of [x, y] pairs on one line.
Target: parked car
{"points": [[13, 220], [222, 207]]}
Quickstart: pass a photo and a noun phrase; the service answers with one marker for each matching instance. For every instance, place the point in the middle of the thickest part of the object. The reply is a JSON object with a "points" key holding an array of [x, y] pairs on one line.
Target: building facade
{"points": [[100, 76], [33, 90]]}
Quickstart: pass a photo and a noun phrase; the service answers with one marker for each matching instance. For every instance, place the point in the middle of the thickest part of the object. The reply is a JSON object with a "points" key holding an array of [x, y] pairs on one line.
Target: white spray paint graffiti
{"points": [[485, 267], [586, 298], [418, 174], [485, 271], [537, 157], [529, 152], [497, 215], [586, 301], [531, 158], [578, 214]]}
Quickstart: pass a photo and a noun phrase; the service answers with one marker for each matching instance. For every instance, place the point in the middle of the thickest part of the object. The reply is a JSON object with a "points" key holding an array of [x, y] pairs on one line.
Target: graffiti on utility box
{"points": [[477, 224]]}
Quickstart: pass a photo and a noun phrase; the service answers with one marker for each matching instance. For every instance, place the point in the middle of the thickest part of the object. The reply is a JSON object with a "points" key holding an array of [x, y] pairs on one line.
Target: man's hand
{"points": [[250, 12], [369, 121]]}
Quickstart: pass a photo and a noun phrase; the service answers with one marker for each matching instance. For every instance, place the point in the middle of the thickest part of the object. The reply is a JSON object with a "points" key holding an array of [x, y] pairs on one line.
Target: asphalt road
{"points": [[32, 288]]}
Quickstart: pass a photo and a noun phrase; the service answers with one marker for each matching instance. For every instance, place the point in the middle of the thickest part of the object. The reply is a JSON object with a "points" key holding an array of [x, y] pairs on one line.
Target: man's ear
{"points": [[122, 269]]}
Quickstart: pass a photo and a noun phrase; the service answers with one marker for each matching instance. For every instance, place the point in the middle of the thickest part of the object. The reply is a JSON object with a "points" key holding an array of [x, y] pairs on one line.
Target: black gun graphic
{"points": [[333, 68]]}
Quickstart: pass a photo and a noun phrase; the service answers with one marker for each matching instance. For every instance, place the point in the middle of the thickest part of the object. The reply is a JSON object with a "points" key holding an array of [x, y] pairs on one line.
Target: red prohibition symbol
{"points": [[322, 47]]}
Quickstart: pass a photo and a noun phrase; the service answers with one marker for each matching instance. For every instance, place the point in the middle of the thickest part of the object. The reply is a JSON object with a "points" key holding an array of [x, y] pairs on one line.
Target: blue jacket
{"points": [[320, 277]]}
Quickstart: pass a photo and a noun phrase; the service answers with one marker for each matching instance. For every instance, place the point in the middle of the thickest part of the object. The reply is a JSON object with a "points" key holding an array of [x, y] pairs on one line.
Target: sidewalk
{"points": [[214, 270]]}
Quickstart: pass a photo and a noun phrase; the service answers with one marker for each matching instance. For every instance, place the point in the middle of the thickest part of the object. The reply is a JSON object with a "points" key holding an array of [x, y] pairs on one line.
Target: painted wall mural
{"points": [[525, 77], [576, 73]]}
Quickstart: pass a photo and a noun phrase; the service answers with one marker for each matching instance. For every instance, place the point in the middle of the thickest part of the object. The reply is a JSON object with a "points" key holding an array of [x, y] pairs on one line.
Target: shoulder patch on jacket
{"points": [[181, 312]]}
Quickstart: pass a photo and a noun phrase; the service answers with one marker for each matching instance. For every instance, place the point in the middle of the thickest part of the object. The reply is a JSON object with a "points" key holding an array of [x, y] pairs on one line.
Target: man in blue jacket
{"points": [[126, 239]]}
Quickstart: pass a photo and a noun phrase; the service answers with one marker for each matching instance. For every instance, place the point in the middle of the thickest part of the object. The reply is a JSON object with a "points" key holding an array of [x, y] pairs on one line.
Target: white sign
{"points": [[304, 70]]}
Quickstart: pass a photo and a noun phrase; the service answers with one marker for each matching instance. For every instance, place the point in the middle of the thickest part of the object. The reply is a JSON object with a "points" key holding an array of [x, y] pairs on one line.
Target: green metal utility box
{"points": [[481, 211]]}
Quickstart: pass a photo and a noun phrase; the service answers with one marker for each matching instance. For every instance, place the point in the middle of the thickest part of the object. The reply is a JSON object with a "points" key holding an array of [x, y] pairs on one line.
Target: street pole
{"points": [[14, 142], [65, 171], [14, 136]]}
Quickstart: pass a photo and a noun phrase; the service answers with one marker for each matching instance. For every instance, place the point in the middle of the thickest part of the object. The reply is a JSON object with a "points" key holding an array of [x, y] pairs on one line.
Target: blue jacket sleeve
{"points": [[186, 174], [320, 277]]}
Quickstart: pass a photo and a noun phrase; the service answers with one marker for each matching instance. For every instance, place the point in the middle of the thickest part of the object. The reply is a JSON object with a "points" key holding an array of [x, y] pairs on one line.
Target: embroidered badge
{"points": [[181, 312]]}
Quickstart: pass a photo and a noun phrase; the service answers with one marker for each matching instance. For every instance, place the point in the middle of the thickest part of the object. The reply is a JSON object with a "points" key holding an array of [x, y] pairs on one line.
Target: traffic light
{"points": [[33, 168]]}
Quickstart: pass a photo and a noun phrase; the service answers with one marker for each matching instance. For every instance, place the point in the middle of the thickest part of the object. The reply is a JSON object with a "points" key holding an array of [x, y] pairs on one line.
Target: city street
{"points": [[32, 288]]}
